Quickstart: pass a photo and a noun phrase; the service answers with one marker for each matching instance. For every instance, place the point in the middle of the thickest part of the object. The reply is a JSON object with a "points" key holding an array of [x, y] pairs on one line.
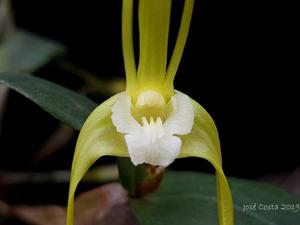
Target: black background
{"points": [[239, 63]]}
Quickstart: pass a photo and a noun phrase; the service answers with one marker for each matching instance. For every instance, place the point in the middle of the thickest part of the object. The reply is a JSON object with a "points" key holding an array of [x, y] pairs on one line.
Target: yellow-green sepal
{"points": [[98, 137], [203, 142], [154, 20]]}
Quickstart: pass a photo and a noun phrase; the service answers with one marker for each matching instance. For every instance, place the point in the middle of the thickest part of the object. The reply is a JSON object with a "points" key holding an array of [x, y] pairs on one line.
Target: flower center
{"points": [[150, 98], [150, 106], [152, 127]]}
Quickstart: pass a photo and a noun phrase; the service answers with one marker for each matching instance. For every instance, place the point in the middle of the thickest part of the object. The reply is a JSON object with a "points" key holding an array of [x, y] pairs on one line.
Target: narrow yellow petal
{"points": [[154, 20], [203, 142], [180, 42], [98, 137], [127, 43]]}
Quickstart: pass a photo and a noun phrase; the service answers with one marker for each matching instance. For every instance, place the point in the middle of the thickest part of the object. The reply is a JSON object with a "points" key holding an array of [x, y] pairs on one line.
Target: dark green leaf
{"points": [[188, 198], [26, 52], [62, 103]]}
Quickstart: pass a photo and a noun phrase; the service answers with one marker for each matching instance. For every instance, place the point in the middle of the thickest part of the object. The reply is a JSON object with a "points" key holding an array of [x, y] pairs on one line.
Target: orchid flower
{"points": [[151, 122]]}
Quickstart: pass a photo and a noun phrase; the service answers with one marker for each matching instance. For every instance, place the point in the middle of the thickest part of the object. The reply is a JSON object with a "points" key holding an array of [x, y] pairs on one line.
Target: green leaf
{"points": [[25, 52], [188, 198], [62, 103]]}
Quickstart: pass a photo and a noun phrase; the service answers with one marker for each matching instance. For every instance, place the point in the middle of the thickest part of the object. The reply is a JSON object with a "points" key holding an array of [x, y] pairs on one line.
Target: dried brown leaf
{"points": [[105, 205]]}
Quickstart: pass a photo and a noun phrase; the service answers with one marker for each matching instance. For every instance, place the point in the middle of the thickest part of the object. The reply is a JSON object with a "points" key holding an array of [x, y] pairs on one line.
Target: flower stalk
{"points": [[139, 180], [130, 175]]}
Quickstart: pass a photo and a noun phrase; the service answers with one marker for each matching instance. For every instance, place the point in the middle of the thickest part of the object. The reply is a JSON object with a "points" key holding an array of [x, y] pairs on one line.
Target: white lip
{"points": [[153, 141]]}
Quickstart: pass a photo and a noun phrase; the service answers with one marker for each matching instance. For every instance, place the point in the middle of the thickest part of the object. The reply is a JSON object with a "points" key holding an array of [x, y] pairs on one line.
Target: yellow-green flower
{"points": [[151, 122]]}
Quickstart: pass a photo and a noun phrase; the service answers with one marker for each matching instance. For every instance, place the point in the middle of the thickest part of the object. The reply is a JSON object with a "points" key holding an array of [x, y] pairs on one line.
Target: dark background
{"points": [[239, 63]]}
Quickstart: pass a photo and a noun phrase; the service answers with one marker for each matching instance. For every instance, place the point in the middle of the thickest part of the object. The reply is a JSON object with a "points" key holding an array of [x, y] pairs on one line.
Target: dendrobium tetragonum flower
{"points": [[151, 122]]}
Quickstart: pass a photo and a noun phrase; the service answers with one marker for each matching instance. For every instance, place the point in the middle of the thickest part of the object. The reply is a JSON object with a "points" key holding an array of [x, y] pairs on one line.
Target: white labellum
{"points": [[150, 126]]}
